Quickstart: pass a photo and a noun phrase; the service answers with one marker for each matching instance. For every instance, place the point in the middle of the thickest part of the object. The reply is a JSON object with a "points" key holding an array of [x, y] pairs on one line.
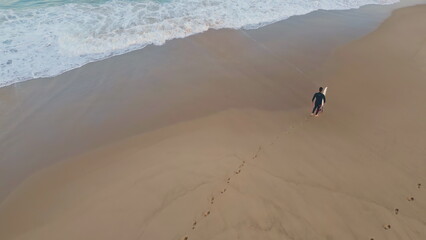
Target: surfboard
{"points": [[322, 104]]}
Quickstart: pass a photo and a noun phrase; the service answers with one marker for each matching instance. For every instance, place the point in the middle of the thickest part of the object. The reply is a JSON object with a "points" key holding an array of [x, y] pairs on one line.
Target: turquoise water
{"points": [[43, 38], [21, 4]]}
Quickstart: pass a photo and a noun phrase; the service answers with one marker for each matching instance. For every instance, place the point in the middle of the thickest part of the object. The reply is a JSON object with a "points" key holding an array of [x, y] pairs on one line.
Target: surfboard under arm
{"points": [[325, 92]]}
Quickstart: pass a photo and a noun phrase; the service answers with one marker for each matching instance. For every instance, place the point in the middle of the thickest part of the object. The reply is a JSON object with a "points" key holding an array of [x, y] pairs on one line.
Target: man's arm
{"points": [[324, 98], [313, 98]]}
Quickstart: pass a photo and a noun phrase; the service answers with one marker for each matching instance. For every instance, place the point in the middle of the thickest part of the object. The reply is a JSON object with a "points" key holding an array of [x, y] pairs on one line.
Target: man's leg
{"points": [[318, 107], [313, 110]]}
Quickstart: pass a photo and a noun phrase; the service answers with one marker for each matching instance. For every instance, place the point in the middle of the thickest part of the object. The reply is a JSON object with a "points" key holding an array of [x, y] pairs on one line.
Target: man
{"points": [[318, 97]]}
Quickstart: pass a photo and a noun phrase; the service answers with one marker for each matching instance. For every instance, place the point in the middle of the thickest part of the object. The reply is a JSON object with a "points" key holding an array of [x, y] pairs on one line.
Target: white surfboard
{"points": [[322, 104]]}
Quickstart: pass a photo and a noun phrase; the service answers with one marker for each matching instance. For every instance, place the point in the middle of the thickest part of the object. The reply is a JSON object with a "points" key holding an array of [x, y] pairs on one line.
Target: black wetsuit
{"points": [[318, 97]]}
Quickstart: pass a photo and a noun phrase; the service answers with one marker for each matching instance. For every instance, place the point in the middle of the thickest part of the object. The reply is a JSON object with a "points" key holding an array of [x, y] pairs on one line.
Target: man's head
{"points": [[320, 89]]}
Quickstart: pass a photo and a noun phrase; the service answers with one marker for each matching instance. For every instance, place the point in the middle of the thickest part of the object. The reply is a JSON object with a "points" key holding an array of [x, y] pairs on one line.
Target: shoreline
{"points": [[209, 137], [88, 45]]}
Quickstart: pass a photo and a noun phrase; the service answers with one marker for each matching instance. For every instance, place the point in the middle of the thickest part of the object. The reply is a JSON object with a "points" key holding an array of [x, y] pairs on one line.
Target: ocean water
{"points": [[42, 38]]}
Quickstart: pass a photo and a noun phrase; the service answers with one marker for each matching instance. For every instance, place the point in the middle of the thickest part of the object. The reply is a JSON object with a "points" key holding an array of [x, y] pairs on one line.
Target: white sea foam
{"points": [[43, 42]]}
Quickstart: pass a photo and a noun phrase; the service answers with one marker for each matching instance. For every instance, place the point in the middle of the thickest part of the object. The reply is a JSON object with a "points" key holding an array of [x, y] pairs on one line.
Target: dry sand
{"points": [[235, 155]]}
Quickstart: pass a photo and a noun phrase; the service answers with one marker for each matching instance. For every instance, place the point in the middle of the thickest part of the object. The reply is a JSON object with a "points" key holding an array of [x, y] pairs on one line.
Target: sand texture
{"points": [[224, 146]]}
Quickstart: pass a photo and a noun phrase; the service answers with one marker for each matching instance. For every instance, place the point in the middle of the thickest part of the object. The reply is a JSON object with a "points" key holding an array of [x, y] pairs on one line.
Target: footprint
{"points": [[237, 172], [396, 210], [194, 224], [223, 191], [184, 238], [387, 227], [206, 214], [229, 180], [419, 185], [212, 200], [410, 199], [258, 151]]}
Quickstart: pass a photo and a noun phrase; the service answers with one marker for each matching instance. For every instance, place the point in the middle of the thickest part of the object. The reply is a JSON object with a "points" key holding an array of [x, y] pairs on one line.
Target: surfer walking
{"points": [[318, 97]]}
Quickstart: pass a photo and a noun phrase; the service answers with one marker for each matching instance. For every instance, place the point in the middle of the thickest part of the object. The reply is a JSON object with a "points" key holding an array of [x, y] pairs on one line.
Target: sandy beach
{"points": [[210, 137]]}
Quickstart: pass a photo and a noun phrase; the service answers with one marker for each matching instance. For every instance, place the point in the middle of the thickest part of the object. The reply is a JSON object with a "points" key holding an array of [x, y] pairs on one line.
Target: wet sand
{"points": [[209, 137]]}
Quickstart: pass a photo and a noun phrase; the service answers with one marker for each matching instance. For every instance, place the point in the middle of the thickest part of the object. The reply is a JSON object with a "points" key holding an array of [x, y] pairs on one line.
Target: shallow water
{"points": [[43, 38]]}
